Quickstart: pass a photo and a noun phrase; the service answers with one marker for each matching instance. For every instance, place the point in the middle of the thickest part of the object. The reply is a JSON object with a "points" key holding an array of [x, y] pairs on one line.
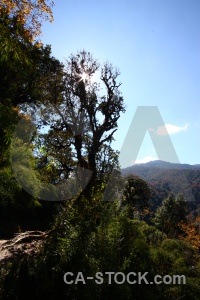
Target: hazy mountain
{"points": [[160, 164], [165, 177]]}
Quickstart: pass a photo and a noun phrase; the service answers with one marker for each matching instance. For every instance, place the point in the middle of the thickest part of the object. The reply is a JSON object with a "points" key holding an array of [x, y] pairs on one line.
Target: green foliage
{"points": [[167, 178], [175, 257], [153, 235], [20, 83], [136, 195], [8, 120], [168, 216], [13, 43], [100, 237], [9, 188]]}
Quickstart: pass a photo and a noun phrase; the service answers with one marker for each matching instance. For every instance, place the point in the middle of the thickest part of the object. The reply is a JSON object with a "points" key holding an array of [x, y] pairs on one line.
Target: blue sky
{"points": [[156, 46]]}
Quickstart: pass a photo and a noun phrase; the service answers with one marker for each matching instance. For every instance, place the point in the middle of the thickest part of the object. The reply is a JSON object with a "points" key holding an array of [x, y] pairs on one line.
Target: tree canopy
{"points": [[20, 27], [29, 14], [81, 119]]}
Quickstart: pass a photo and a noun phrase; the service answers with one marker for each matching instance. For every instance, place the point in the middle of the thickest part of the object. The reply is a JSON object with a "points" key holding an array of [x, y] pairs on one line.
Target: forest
{"points": [[165, 178], [64, 205]]}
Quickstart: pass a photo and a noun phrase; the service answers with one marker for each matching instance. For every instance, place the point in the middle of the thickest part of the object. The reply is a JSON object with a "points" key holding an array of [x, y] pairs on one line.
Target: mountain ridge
{"points": [[164, 165], [166, 178]]}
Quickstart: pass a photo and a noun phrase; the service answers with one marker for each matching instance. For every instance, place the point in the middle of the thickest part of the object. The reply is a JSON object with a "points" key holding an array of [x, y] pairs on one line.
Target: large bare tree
{"points": [[82, 111]]}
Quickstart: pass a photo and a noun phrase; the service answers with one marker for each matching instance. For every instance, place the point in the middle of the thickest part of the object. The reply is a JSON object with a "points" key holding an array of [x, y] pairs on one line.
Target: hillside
{"points": [[164, 178]]}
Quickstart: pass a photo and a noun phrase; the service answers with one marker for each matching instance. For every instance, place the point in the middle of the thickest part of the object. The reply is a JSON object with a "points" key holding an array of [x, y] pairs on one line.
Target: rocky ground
{"points": [[25, 243]]}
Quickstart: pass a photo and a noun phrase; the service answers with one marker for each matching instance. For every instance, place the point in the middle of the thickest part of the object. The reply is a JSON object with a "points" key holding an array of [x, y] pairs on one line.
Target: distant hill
{"points": [[160, 164], [165, 178]]}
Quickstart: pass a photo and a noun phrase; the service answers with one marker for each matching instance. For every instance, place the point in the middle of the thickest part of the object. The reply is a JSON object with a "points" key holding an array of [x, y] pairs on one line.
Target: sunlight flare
{"points": [[84, 76]]}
